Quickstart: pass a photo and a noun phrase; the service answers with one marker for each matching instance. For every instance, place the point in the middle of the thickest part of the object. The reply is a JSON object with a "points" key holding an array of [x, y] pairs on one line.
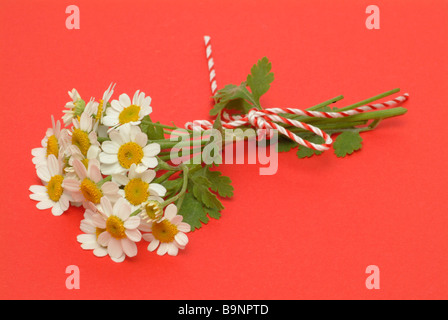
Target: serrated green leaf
{"points": [[200, 186], [346, 143], [153, 132], [305, 152], [193, 212], [260, 78], [218, 182]]}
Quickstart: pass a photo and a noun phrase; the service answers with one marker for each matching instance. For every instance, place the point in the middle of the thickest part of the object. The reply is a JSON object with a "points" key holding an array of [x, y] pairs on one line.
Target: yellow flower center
{"points": [[53, 146], [129, 114], [136, 191], [100, 110], [81, 140], [115, 227], [164, 231], [54, 188], [151, 211], [91, 191], [130, 153]]}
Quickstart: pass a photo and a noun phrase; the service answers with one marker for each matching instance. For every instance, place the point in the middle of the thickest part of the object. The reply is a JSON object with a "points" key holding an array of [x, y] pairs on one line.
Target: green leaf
{"points": [[260, 78], [285, 144], [218, 182], [346, 143], [153, 132], [231, 93], [172, 186], [201, 191], [193, 212], [305, 152]]}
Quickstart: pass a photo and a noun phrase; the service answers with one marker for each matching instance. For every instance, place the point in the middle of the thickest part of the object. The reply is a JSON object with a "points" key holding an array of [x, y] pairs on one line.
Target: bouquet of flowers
{"points": [[126, 173]]}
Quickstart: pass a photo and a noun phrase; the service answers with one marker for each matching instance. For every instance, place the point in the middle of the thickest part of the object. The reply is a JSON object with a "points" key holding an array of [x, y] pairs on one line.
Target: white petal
{"points": [[122, 209], [120, 179], [53, 165], [156, 189], [172, 249], [151, 149], [170, 211], [110, 147], [129, 247], [134, 235], [43, 173], [163, 248], [37, 189], [183, 227], [149, 162], [107, 206], [141, 139], [125, 101], [132, 222], [100, 252], [104, 238], [99, 221], [108, 158], [181, 238], [114, 248], [46, 204], [153, 245]]}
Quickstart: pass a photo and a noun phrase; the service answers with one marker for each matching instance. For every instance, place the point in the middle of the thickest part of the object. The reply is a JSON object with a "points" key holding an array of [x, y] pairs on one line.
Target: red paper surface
{"points": [[307, 232]]}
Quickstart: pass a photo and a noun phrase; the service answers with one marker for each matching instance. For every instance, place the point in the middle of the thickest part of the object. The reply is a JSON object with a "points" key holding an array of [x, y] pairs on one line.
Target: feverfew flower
{"points": [[127, 146], [51, 144], [97, 109], [74, 107], [138, 187], [168, 234], [52, 195], [124, 111], [90, 187], [120, 229], [83, 135], [89, 239]]}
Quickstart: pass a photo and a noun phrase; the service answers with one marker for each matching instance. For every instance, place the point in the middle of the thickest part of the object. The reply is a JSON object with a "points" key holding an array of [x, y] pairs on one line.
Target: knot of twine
{"points": [[271, 119]]}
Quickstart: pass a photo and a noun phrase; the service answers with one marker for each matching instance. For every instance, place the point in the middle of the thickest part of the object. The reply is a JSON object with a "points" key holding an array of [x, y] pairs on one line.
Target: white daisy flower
{"points": [[73, 153], [89, 187], [120, 229], [74, 107], [52, 143], [168, 234], [138, 187], [124, 110], [83, 135], [128, 146], [52, 194], [89, 239]]}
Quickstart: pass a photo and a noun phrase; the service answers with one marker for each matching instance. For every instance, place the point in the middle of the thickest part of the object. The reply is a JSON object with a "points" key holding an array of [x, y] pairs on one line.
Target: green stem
{"points": [[164, 177], [136, 212], [108, 178], [367, 101], [325, 103], [182, 191]]}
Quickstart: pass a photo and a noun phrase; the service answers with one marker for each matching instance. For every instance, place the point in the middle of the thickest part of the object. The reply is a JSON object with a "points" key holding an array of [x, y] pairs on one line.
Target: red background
{"points": [[308, 231]]}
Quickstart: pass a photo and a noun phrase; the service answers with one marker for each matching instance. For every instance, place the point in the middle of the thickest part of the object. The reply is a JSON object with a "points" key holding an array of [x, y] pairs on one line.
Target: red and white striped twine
{"points": [[211, 64], [269, 119]]}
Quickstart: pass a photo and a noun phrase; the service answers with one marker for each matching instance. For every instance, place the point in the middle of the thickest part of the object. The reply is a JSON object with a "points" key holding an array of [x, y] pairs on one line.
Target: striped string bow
{"points": [[271, 118]]}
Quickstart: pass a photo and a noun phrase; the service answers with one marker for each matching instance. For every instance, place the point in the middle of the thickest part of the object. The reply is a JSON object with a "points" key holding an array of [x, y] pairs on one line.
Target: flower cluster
{"points": [[103, 161]]}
